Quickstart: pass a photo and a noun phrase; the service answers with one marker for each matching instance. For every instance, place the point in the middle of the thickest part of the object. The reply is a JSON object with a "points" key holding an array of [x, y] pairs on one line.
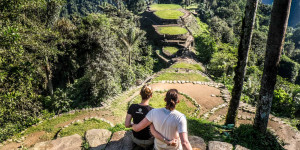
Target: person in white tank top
{"points": [[167, 124]]}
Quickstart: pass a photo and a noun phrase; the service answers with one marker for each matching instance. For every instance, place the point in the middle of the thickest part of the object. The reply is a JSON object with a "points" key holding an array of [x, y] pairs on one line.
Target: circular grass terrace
{"points": [[157, 101], [170, 50], [172, 30], [169, 14], [156, 7], [184, 65]]}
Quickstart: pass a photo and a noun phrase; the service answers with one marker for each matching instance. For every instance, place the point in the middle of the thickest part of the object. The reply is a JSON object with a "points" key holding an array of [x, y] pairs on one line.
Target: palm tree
{"points": [[130, 39], [246, 37], [279, 20]]}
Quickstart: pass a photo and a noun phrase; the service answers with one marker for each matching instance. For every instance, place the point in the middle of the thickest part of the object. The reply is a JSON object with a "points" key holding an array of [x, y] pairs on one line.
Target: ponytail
{"points": [[146, 92], [171, 99]]}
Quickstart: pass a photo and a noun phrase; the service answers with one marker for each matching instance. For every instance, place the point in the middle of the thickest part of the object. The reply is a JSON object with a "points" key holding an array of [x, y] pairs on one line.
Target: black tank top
{"points": [[138, 113]]}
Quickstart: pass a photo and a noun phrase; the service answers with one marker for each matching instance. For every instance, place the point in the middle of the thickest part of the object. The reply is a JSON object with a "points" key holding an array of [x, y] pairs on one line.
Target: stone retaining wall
{"points": [[165, 61]]}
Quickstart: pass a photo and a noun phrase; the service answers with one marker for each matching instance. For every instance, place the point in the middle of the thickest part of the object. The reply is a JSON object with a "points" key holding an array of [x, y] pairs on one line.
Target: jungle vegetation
{"points": [[60, 55]]}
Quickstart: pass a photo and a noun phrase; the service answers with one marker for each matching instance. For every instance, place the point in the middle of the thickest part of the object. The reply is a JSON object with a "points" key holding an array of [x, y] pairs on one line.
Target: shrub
{"points": [[206, 47], [223, 61], [60, 102], [283, 103], [288, 69], [247, 136]]}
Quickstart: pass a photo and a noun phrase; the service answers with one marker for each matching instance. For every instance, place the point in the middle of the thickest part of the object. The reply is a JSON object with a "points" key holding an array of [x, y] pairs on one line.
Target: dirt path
{"points": [[201, 93]]}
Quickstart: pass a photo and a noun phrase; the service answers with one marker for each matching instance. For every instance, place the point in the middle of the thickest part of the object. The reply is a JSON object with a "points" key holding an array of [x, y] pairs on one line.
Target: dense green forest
{"points": [[49, 64], [221, 45], [295, 11], [60, 55]]}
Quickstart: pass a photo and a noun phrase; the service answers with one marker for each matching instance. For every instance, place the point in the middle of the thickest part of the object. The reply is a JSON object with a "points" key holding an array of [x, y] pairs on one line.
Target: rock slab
{"points": [[120, 140], [239, 147], [217, 145], [97, 138], [197, 143], [66, 143]]}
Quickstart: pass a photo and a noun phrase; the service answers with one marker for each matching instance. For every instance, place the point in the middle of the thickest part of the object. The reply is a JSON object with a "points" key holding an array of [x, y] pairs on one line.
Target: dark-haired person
{"points": [[169, 123], [137, 112]]}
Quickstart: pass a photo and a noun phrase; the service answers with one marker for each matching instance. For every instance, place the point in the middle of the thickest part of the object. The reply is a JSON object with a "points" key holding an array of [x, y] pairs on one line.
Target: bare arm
{"points": [[185, 141], [128, 121], [155, 133], [162, 138], [143, 124]]}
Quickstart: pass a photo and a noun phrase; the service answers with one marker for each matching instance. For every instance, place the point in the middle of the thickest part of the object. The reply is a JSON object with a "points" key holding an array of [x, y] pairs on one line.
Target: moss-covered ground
{"points": [[185, 65], [156, 7], [81, 127], [169, 14]]}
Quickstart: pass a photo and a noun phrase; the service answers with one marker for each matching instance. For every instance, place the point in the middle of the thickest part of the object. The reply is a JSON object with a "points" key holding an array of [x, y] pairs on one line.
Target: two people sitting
{"points": [[167, 125]]}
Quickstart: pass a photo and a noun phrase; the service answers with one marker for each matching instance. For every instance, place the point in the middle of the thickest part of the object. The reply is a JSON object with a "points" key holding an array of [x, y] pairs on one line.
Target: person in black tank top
{"points": [[137, 113]]}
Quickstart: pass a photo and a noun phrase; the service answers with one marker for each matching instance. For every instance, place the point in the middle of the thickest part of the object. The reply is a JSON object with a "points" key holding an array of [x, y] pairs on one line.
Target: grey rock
{"points": [[217, 145], [97, 138], [66, 143], [197, 142], [239, 147], [120, 140]]}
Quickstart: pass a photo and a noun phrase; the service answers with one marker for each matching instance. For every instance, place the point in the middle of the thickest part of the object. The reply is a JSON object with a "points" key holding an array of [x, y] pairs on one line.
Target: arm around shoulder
{"points": [[143, 124]]}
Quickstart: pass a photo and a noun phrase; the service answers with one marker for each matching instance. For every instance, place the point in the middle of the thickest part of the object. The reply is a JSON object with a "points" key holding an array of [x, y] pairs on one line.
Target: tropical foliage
{"points": [[55, 64]]}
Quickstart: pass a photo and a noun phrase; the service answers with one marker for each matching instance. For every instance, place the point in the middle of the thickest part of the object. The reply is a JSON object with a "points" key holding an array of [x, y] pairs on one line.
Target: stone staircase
{"points": [[99, 139]]}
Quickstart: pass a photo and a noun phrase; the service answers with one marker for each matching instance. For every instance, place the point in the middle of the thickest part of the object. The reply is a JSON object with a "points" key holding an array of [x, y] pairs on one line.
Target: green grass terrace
{"points": [[157, 101], [184, 65], [181, 76], [169, 14], [156, 7], [170, 50], [172, 30]]}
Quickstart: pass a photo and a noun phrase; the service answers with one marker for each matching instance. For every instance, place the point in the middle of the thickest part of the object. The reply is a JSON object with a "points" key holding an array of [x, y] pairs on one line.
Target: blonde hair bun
{"points": [[146, 92]]}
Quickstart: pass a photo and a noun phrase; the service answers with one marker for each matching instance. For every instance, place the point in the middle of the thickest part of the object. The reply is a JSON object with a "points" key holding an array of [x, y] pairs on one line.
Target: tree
{"points": [[130, 39], [276, 35], [246, 37]]}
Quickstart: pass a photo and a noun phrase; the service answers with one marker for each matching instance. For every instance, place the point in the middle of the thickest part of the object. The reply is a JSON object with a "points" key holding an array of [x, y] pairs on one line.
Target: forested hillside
{"points": [[295, 11], [49, 64], [57, 55], [221, 43]]}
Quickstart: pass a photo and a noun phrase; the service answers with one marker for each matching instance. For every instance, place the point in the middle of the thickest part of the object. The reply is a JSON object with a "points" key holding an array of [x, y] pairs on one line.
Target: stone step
{"points": [[66, 143]]}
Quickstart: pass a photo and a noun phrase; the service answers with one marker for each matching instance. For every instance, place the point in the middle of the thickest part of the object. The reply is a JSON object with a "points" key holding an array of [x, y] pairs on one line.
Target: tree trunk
{"points": [[48, 77], [129, 58], [53, 10], [240, 70], [277, 29]]}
